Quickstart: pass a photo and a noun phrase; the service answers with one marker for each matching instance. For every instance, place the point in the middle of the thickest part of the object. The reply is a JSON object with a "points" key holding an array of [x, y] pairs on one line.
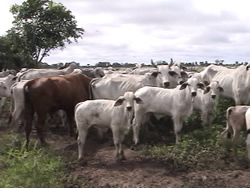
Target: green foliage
{"points": [[40, 26], [36, 167], [9, 58]]}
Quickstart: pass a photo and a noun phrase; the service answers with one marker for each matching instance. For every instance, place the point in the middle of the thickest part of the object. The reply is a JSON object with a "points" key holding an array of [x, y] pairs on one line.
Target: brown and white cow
{"points": [[49, 94], [236, 123]]}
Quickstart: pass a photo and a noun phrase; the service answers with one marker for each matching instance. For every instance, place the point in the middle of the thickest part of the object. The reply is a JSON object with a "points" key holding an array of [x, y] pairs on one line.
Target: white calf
{"points": [[116, 115], [175, 102], [206, 101]]}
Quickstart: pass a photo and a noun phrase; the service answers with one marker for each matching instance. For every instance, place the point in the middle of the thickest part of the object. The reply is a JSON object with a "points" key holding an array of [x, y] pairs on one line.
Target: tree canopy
{"points": [[40, 26]]}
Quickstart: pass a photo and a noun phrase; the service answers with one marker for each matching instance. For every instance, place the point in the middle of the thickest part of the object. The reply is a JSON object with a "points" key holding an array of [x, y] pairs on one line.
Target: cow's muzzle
{"points": [[213, 96], [166, 84], [129, 108], [193, 94]]}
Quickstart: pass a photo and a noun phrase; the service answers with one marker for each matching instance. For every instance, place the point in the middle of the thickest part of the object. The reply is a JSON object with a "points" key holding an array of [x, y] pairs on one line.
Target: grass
{"points": [[21, 168], [200, 148]]}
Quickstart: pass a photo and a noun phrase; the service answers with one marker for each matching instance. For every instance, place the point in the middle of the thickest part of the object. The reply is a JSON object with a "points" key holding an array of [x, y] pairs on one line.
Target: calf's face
{"points": [[214, 88], [193, 85], [127, 100]]}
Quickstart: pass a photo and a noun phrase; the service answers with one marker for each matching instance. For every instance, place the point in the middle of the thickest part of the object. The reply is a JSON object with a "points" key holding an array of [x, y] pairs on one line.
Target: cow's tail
{"points": [[227, 133], [28, 107]]}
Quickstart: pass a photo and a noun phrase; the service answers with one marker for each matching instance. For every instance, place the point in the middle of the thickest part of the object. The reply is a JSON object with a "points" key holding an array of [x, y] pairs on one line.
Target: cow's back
{"points": [[57, 92]]}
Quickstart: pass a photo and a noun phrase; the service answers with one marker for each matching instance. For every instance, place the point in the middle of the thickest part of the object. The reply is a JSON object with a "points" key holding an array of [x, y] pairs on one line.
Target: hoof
{"points": [[118, 161], [123, 158], [82, 162], [134, 147]]}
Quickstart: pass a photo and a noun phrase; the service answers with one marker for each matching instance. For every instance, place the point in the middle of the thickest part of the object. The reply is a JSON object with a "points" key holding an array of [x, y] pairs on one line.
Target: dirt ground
{"points": [[136, 172]]}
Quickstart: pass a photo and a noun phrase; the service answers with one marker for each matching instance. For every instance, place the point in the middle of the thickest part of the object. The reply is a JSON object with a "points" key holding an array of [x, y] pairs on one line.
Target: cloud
{"points": [[137, 31]]}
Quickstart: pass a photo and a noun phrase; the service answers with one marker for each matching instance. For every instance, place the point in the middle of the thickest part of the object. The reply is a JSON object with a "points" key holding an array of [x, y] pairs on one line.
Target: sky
{"points": [[137, 31]]}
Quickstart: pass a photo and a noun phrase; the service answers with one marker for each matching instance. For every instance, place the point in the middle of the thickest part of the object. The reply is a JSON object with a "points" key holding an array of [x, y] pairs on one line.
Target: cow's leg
{"points": [[177, 128], [82, 134], [234, 143], [28, 124], [210, 118], [204, 118], [39, 125], [2, 103], [71, 124], [248, 146], [117, 143], [121, 151], [137, 122]]}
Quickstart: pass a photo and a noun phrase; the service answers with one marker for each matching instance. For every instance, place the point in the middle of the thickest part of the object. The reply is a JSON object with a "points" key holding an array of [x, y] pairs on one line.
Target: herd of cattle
{"points": [[119, 100]]}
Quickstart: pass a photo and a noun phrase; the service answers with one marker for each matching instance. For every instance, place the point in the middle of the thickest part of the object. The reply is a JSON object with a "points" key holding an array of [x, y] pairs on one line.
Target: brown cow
{"points": [[48, 94]]}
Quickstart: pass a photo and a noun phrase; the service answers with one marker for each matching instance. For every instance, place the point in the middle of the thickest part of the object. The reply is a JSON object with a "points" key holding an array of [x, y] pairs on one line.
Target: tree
{"points": [[40, 26], [9, 58]]}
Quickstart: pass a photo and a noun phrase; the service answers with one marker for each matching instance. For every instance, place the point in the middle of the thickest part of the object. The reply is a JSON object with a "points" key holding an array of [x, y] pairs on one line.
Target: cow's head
{"points": [[214, 88], [127, 100], [193, 84], [5, 85], [169, 76], [151, 79]]}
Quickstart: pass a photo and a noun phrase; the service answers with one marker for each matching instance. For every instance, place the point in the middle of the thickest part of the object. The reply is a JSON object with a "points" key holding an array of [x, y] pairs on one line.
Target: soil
{"points": [[102, 170], [135, 172]]}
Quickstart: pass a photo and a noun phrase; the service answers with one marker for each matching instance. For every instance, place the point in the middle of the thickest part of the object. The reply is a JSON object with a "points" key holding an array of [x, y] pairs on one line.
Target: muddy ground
{"points": [[103, 171]]}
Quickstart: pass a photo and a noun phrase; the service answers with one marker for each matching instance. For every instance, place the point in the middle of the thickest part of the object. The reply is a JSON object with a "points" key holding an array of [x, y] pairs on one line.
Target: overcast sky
{"points": [[141, 30]]}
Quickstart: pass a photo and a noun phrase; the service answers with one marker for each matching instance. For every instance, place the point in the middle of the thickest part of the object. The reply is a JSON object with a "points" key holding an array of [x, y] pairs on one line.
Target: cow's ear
{"points": [[155, 74], [184, 74], [247, 67], [207, 90], [220, 89], [138, 100], [172, 73], [184, 68], [184, 85], [119, 101], [14, 78], [206, 83], [200, 85]]}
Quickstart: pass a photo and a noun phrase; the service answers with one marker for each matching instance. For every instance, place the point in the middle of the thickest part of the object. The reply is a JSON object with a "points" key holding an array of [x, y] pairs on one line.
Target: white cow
{"points": [[114, 85], [17, 102], [206, 101], [101, 113], [175, 102], [170, 76], [237, 121], [142, 71], [92, 73], [37, 73], [5, 83], [235, 82]]}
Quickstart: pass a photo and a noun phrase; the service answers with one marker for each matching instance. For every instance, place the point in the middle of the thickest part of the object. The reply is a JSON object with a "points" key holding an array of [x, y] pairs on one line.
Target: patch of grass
{"points": [[200, 149], [36, 167]]}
